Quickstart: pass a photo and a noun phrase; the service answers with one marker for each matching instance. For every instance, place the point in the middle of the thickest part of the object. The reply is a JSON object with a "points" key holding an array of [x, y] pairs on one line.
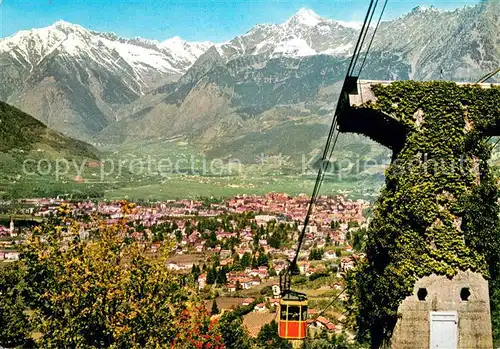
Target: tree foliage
{"points": [[14, 324], [268, 337], [215, 308], [329, 342], [316, 254], [108, 291], [233, 332]]}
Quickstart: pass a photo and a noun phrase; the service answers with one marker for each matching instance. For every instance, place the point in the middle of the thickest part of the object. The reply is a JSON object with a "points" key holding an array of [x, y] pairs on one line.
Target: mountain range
{"points": [[74, 79], [271, 90]]}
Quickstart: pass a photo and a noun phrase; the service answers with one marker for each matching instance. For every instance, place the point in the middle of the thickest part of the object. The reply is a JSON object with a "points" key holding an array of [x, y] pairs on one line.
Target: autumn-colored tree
{"points": [[107, 291], [195, 329]]}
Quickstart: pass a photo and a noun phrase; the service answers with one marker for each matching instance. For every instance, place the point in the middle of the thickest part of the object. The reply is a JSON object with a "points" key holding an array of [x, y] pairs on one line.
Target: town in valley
{"points": [[233, 249]]}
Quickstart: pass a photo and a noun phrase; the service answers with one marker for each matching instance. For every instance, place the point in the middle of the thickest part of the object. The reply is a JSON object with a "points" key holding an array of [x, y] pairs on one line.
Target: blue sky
{"points": [[215, 20]]}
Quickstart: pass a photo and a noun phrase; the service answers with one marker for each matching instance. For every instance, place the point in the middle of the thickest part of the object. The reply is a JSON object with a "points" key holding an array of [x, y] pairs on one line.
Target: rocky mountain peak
{"points": [[305, 17], [424, 11], [66, 26]]}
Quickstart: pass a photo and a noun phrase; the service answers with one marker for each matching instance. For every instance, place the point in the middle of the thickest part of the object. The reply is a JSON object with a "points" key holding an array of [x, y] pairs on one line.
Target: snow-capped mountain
{"points": [[459, 42], [462, 45], [183, 50], [85, 75], [304, 34]]}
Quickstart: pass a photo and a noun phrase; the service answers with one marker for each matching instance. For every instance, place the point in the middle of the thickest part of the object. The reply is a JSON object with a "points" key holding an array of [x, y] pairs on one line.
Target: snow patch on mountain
{"points": [[139, 57], [184, 50], [351, 24], [305, 17], [304, 34], [295, 47], [339, 50]]}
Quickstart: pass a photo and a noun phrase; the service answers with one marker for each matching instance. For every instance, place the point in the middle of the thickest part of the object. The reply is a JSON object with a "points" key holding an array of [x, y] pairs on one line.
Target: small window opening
{"points": [[284, 312], [465, 294], [293, 313], [422, 294]]}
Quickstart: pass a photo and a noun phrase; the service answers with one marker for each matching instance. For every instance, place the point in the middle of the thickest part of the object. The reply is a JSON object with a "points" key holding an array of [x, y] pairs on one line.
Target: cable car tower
{"points": [[292, 323]]}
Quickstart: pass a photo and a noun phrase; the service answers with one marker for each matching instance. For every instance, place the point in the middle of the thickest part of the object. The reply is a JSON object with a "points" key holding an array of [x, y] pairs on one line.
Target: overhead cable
{"points": [[329, 147], [373, 36]]}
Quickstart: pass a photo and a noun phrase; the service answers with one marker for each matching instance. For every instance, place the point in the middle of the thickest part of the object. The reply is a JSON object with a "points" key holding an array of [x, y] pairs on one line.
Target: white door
{"points": [[444, 329]]}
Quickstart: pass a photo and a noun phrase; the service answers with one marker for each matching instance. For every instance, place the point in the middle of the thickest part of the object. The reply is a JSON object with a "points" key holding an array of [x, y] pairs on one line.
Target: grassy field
{"points": [[195, 186], [27, 217], [161, 169], [186, 172]]}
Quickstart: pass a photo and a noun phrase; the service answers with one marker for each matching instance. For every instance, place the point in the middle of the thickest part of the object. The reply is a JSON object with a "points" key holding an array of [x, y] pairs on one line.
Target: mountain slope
{"points": [[233, 95], [21, 132], [29, 153], [455, 45]]}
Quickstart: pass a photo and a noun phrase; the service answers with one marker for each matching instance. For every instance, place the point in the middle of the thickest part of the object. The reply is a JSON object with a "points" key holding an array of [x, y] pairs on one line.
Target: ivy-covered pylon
{"points": [[438, 212]]}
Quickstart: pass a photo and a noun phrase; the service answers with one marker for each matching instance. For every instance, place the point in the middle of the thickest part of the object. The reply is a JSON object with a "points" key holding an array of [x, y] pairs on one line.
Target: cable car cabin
{"points": [[293, 315]]}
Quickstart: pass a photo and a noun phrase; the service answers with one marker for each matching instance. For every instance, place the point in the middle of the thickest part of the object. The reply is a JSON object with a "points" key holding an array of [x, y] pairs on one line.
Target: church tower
{"points": [[12, 227]]}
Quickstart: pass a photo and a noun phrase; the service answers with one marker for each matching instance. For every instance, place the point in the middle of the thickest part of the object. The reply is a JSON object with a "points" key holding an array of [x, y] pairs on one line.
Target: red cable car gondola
{"points": [[293, 315]]}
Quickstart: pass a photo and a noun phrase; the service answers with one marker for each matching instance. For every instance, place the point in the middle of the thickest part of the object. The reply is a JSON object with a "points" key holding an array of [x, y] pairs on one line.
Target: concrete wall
{"points": [[412, 330]]}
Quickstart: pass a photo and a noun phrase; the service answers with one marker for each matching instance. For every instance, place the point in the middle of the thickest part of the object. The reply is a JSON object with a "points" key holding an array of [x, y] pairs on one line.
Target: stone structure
{"points": [[417, 226], [466, 294], [382, 128]]}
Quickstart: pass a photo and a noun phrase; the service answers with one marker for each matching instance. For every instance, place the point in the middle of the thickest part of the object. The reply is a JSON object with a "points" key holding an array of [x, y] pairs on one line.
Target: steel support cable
{"points": [[329, 158], [327, 164], [496, 143], [334, 144], [356, 48], [329, 149], [373, 36], [352, 65], [488, 76], [350, 69], [333, 301], [317, 186], [365, 33]]}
